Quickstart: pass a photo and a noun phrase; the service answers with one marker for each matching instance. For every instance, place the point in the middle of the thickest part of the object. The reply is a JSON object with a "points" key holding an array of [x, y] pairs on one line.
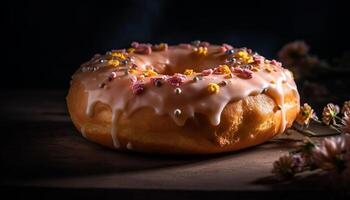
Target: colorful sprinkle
{"points": [[149, 73], [177, 112], [158, 81], [131, 50], [222, 69], [230, 52], [160, 47], [213, 88], [207, 72], [196, 78], [177, 91], [119, 55], [177, 79], [223, 83], [115, 63], [242, 73], [201, 51], [138, 87], [188, 72], [185, 46], [196, 43], [244, 55]]}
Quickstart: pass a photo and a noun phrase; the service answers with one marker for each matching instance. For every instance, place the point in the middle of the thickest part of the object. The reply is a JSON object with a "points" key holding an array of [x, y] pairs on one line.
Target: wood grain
{"points": [[41, 150]]}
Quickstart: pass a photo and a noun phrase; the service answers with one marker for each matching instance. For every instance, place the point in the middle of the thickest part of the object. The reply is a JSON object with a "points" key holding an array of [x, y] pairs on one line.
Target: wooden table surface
{"points": [[42, 151]]}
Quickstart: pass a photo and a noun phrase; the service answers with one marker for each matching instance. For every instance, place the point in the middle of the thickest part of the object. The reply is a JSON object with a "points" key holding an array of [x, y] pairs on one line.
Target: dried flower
{"points": [[287, 166], [346, 107], [329, 155], [345, 128], [329, 113], [292, 52], [176, 80], [306, 113]]}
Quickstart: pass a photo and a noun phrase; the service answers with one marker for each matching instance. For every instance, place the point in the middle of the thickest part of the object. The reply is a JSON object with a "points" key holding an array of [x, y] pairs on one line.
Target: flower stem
{"points": [[310, 133]]}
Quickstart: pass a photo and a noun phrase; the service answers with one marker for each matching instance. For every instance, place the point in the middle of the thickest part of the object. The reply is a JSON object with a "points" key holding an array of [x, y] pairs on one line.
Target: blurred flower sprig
{"points": [[330, 155]]}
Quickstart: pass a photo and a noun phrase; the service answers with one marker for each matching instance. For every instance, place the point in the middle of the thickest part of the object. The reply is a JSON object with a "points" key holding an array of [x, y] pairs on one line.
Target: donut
{"points": [[194, 98]]}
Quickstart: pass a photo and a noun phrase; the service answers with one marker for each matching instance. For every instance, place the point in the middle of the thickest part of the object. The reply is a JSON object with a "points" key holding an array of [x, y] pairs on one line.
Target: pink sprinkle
{"points": [[222, 49], [138, 87], [143, 49], [227, 46], [185, 46], [118, 50], [204, 44], [133, 79], [258, 59], [274, 62], [176, 80], [112, 76], [160, 47], [217, 70], [242, 73], [207, 72], [134, 44]]}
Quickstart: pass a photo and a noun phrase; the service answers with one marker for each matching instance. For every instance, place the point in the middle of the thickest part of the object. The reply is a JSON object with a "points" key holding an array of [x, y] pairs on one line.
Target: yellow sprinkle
{"points": [[255, 69], [213, 88], [119, 55], [130, 50], [133, 71], [272, 81], [229, 76], [243, 55], [224, 69], [188, 72], [141, 77], [201, 50], [268, 68], [113, 62], [150, 73]]}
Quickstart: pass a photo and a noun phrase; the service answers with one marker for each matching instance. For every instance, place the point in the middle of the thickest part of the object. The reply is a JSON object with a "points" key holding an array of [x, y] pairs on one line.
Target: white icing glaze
{"points": [[193, 97]]}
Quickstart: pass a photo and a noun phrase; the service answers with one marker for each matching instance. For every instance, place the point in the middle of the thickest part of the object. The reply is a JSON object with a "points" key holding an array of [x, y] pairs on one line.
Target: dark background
{"points": [[46, 41]]}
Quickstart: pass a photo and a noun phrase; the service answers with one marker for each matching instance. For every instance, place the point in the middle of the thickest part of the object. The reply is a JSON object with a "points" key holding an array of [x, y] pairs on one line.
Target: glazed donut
{"points": [[186, 99]]}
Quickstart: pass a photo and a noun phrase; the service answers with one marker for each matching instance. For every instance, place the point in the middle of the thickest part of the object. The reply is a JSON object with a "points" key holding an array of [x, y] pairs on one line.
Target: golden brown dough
{"points": [[245, 122]]}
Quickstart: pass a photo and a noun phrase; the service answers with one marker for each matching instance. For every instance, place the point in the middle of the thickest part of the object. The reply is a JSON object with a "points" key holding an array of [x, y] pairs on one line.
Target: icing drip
{"points": [[182, 96]]}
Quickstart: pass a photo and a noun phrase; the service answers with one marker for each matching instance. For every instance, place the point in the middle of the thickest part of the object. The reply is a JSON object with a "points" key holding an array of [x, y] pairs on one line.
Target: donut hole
{"points": [[180, 63]]}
